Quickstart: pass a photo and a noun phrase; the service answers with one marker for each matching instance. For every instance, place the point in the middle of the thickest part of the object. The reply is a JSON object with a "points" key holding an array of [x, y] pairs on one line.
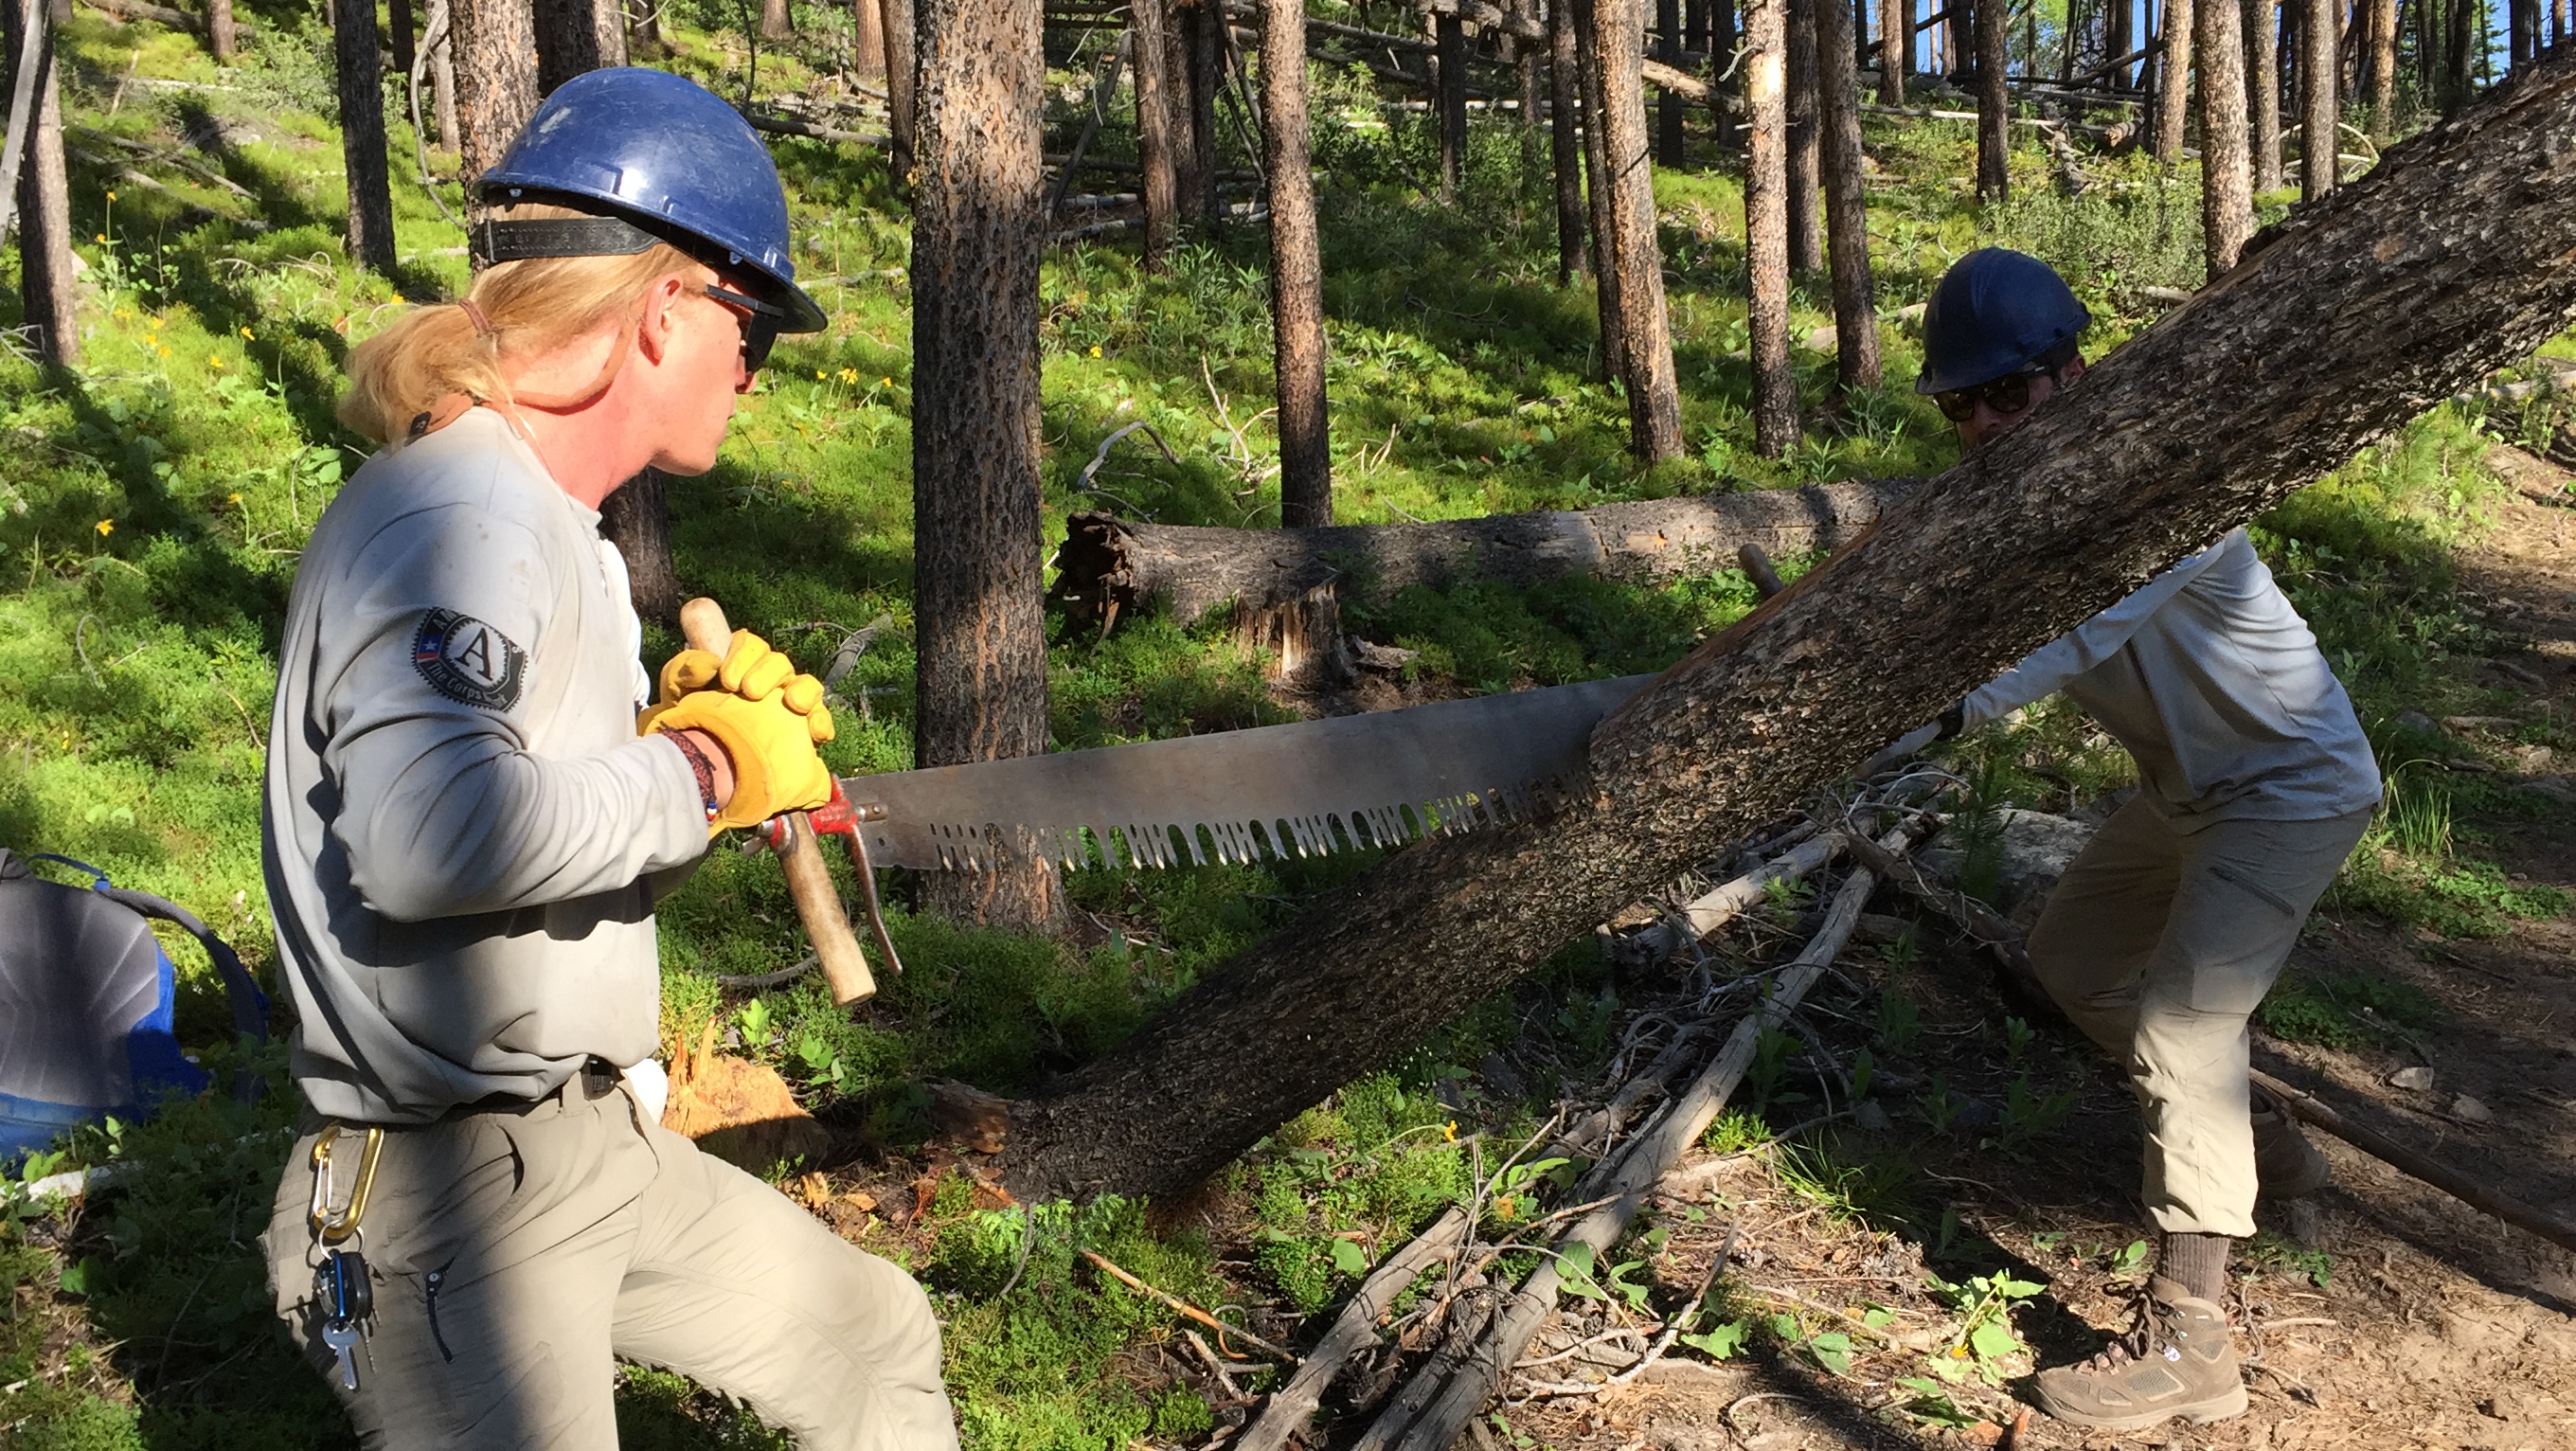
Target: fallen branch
{"points": [[1353, 1329], [2481, 1197], [1637, 1169], [1709, 912], [782, 126], [1681, 1321], [1175, 1302], [160, 15]]}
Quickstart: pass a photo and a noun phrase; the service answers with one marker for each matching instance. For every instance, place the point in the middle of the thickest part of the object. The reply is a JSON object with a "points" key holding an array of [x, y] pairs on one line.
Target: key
{"points": [[342, 1337]]}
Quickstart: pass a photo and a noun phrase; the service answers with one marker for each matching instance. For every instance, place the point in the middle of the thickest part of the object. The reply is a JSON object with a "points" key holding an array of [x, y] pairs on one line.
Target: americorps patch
{"points": [[468, 661]]}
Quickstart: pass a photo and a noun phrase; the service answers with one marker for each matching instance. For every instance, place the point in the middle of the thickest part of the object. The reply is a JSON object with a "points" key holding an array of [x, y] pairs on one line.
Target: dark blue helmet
{"points": [[659, 158], [1995, 311]]}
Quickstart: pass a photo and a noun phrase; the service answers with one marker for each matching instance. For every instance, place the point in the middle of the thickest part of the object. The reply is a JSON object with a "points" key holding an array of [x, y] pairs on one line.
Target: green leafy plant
{"points": [[1985, 1337], [1928, 1401], [2286, 1256], [1898, 1021]]}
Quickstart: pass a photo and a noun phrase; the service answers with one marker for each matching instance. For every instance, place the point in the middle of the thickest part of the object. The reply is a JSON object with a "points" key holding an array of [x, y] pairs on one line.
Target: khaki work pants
{"points": [[2159, 944], [516, 1253]]}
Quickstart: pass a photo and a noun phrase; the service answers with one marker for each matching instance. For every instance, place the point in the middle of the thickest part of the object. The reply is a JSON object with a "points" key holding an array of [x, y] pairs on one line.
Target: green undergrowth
{"points": [[156, 499]]}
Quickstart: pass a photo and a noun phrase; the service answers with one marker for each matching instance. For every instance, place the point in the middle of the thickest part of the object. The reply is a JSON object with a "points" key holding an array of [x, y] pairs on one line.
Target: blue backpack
{"points": [[86, 998]]}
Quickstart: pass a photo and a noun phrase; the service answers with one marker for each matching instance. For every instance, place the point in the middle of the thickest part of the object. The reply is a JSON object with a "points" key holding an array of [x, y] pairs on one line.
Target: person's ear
{"points": [[653, 336], [2074, 368]]}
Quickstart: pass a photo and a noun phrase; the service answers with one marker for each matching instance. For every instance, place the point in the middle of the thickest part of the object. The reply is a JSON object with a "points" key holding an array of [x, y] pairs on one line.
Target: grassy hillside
{"points": [[153, 503]]}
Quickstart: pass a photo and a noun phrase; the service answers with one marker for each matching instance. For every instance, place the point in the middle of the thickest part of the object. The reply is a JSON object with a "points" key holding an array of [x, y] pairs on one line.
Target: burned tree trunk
{"points": [[903, 78], [1846, 202], [1654, 394], [1565, 155], [2317, 81], [636, 517], [1672, 107], [47, 284], [357, 53], [1296, 272], [2263, 88], [574, 36], [398, 34], [1994, 104], [1450, 96], [1766, 226], [2355, 320], [1152, 57], [1193, 570], [1201, 26], [977, 231], [495, 45], [1806, 172], [2226, 178], [2173, 80], [1597, 187]]}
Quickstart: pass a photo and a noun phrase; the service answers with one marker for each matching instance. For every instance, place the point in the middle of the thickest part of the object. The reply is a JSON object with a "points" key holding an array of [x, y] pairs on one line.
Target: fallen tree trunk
{"points": [[2457, 255], [1108, 561]]}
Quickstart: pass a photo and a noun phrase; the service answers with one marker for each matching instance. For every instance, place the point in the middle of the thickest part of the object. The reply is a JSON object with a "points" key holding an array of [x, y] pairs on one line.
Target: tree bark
{"points": [[1766, 226], [2354, 321], [1994, 104], [1846, 203], [1895, 49], [2119, 31], [574, 36], [1451, 95], [636, 517], [2173, 79], [222, 37], [903, 79], [1597, 189], [2522, 29], [2226, 175], [2383, 68], [1526, 57], [357, 53], [1565, 94], [867, 41], [441, 22], [1670, 109], [1195, 571], [1201, 49], [495, 44], [2317, 78], [1654, 393], [2263, 88], [978, 231], [398, 34], [1152, 58], [1806, 175], [1722, 40], [1296, 272], [777, 22], [47, 284]]}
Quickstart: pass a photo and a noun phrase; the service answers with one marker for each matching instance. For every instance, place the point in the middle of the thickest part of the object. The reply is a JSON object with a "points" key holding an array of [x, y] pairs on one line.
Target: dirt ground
{"points": [[2433, 1327]]}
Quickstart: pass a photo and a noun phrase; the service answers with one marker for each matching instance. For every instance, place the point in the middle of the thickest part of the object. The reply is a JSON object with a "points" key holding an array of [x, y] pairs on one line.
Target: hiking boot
{"points": [[2286, 1165], [2175, 1361]]}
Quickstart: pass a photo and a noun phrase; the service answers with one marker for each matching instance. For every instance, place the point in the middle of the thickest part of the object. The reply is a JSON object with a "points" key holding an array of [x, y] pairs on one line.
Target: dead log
{"points": [[1352, 1330], [2365, 308], [1107, 562]]}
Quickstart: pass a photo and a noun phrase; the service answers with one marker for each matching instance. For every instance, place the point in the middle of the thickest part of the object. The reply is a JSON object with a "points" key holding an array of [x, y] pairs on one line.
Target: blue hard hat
{"points": [[1995, 311], [659, 152]]}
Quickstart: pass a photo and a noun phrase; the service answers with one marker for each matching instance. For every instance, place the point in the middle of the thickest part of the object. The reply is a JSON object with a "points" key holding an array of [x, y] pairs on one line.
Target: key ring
{"points": [[329, 1228]]}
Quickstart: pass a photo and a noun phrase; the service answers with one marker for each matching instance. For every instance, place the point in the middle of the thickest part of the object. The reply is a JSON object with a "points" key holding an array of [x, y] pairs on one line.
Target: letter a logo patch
{"points": [[468, 661]]}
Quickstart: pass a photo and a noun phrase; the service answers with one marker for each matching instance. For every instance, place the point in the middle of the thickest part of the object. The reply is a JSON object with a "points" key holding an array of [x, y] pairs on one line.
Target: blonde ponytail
{"points": [[528, 308]]}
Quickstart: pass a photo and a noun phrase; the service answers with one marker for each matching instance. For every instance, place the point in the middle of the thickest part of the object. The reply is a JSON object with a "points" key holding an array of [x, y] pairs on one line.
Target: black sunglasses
{"points": [[759, 321], [2007, 394]]}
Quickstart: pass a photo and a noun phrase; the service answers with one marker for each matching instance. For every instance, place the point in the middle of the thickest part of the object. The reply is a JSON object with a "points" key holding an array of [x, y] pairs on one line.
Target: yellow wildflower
{"points": [[818, 375], [165, 352], [215, 363], [106, 527], [246, 334], [123, 316], [849, 375], [102, 239], [111, 196], [1451, 1132], [232, 498], [885, 382], [1095, 348]]}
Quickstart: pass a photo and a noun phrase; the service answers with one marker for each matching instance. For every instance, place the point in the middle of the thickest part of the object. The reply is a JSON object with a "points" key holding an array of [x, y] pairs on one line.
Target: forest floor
{"points": [[154, 502]]}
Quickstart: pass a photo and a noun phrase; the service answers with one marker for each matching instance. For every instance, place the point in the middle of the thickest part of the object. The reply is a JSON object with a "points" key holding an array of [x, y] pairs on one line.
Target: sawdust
{"points": [[740, 1111]]}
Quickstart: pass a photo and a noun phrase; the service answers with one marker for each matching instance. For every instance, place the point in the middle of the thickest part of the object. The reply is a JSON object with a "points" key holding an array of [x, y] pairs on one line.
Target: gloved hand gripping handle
{"points": [[800, 852]]}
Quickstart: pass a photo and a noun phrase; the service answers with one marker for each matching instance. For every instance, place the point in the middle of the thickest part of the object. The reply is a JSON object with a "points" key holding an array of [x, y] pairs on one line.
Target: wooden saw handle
{"points": [[809, 881]]}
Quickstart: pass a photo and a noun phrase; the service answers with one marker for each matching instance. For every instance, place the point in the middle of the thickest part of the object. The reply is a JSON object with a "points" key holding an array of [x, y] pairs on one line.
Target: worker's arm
{"points": [[431, 674], [2048, 669]]}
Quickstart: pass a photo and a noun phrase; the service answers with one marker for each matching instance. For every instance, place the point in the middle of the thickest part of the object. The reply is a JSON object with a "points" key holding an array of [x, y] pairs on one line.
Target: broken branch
{"points": [[1184, 1307]]}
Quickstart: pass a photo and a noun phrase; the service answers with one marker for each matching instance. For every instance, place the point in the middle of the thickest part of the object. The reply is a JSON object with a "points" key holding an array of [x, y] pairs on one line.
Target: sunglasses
{"points": [[2007, 394], [759, 321]]}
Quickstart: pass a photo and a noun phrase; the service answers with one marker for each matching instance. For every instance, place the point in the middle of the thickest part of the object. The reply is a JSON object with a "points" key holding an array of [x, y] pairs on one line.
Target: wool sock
{"points": [[2197, 1262]]}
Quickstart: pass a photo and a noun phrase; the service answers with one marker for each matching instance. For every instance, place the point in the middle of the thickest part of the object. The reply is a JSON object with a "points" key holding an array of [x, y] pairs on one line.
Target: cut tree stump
{"points": [[2363, 310]]}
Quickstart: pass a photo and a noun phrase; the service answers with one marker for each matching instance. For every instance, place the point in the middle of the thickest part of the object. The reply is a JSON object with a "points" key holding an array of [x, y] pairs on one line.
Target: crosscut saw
{"points": [[1297, 790]]}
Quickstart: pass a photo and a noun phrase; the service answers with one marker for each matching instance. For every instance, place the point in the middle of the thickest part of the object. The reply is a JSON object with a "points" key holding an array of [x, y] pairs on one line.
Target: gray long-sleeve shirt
{"points": [[464, 836], [2210, 678]]}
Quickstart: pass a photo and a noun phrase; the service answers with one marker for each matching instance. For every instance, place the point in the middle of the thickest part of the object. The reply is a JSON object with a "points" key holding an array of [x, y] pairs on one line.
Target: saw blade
{"points": [[1296, 790]]}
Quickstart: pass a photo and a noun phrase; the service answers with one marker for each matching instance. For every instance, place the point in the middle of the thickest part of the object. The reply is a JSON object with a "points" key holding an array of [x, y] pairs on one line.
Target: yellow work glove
{"points": [[772, 750], [751, 669]]}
